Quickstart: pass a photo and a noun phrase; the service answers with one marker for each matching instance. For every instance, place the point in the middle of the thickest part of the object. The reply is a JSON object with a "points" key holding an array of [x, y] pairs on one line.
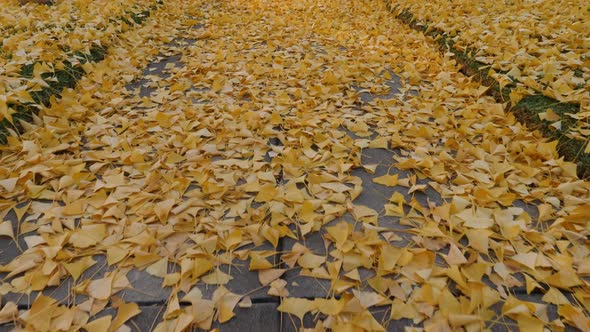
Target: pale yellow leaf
{"points": [[297, 306], [387, 180]]}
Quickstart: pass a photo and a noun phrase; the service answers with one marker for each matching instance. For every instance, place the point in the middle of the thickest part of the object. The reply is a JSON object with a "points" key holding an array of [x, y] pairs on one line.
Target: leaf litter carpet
{"points": [[278, 146]]}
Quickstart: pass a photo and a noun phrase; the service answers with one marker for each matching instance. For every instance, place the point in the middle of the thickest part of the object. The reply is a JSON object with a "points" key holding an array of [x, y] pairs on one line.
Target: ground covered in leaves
{"points": [[535, 47], [246, 154], [45, 48]]}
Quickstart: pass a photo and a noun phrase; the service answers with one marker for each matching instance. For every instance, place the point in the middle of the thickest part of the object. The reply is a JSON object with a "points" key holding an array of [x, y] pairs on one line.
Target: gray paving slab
{"points": [[374, 196], [8, 247], [162, 66], [309, 287], [263, 317], [7, 327], [394, 85], [306, 287], [383, 316], [243, 282], [146, 288], [63, 292], [158, 69], [291, 323], [535, 297], [302, 286], [380, 314], [260, 317]]}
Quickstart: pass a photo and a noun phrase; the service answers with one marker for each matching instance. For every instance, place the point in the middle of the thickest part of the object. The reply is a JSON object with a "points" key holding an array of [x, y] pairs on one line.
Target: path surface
{"points": [[274, 154]]}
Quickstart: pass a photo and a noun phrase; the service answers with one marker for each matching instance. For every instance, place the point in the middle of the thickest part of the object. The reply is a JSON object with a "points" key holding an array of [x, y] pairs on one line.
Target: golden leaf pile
{"points": [[541, 46], [47, 37], [42, 33], [250, 144]]}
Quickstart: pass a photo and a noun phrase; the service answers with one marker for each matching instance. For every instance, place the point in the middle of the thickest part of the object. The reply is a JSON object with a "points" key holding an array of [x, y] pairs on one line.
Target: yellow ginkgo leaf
{"points": [[310, 261], [297, 306], [159, 268], [100, 289], [77, 267], [125, 311], [6, 229], [387, 180], [226, 306], [101, 324]]}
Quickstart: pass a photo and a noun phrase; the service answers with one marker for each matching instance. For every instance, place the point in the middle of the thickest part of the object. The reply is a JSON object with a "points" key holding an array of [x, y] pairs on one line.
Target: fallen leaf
{"points": [[125, 311], [6, 229], [101, 324], [297, 306], [100, 289], [387, 180]]}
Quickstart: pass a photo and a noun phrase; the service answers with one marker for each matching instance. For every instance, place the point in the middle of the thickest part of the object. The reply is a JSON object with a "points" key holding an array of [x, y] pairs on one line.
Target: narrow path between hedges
{"points": [[275, 165]]}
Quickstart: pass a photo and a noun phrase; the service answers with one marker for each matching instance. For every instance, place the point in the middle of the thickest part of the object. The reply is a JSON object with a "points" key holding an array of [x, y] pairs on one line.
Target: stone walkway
{"points": [[263, 315]]}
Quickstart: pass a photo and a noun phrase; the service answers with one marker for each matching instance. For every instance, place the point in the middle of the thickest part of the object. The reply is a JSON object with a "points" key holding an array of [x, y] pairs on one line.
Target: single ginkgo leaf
{"points": [[297, 306], [101, 324], [125, 311], [387, 180]]}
